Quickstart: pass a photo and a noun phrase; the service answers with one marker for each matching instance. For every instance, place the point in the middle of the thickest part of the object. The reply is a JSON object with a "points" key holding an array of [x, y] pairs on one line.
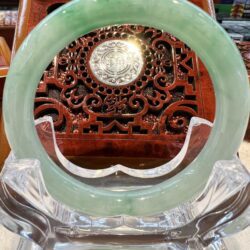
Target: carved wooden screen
{"points": [[145, 115], [244, 48]]}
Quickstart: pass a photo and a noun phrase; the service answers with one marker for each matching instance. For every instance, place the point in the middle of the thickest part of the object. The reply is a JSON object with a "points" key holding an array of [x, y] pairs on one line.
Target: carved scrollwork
{"points": [[244, 48], [160, 100]]}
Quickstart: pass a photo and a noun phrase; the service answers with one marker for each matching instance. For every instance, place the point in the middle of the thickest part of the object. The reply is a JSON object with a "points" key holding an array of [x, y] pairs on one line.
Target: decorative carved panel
{"points": [[244, 48], [124, 83]]}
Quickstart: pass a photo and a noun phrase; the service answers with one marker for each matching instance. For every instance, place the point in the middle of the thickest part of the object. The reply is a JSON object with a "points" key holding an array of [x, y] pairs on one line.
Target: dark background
{"points": [[9, 3]]}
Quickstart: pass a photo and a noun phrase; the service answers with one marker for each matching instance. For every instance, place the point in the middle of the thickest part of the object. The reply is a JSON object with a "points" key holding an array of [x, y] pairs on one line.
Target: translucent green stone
{"points": [[177, 17]]}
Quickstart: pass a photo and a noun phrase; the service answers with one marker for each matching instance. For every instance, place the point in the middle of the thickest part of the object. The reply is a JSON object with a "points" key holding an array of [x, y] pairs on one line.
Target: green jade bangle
{"points": [[178, 17]]}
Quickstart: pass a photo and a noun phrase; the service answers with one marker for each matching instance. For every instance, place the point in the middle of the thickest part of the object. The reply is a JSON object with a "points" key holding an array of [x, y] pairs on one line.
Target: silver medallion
{"points": [[116, 62]]}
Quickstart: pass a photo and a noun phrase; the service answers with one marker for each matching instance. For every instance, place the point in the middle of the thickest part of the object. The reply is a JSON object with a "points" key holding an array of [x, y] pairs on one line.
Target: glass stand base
{"points": [[11, 241], [28, 210]]}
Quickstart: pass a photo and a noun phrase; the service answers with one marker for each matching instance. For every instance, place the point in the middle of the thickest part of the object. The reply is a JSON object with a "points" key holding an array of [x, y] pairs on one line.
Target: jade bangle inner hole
{"points": [[113, 77]]}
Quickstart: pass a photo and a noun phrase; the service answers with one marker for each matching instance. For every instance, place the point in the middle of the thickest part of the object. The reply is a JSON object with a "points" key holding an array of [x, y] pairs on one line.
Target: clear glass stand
{"points": [[220, 210]]}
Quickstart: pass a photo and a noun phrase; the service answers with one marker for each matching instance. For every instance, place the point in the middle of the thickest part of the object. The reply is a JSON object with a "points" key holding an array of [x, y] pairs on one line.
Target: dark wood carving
{"points": [[147, 116], [244, 48]]}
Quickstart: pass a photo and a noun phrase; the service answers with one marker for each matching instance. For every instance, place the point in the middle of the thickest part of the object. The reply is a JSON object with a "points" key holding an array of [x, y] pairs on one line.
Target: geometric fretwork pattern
{"points": [[160, 101]]}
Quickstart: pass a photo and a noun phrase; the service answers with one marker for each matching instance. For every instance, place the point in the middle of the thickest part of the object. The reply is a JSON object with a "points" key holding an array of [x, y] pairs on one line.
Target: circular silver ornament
{"points": [[116, 62]]}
